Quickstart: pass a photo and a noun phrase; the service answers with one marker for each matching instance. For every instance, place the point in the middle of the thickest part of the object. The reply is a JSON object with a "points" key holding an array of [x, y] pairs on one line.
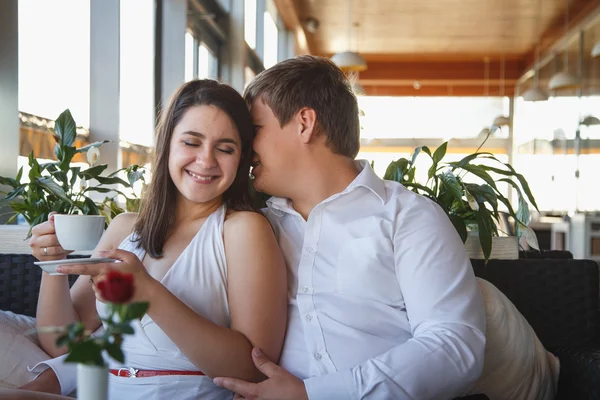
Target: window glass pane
{"points": [[189, 56], [207, 63], [429, 117], [271, 45], [54, 58], [136, 91], [250, 23]]}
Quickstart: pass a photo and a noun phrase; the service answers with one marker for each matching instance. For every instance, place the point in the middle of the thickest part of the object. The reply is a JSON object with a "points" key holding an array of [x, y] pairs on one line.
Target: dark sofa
{"points": [[559, 298]]}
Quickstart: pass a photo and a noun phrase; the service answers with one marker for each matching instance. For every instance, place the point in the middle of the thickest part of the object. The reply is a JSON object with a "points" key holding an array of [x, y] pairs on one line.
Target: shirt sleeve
{"points": [[445, 355], [65, 372]]}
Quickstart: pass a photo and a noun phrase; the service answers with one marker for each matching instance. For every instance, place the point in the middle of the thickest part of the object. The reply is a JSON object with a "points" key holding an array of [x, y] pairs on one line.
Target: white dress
{"points": [[199, 279]]}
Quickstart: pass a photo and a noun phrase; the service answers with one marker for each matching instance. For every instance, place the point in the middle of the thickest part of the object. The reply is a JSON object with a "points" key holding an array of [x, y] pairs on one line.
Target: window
{"points": [[136, 89], [270, 41], [250, 23], [189, 56], [207, 63], [54, 58], [429, 117]]}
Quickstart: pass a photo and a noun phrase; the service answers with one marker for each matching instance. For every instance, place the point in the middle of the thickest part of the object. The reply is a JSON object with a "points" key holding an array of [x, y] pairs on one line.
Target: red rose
{"points": [[116, 288]]}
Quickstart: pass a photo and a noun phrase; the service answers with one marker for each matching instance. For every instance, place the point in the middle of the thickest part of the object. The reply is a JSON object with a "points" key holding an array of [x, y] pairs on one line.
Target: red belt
{"points": [[145, 373]]}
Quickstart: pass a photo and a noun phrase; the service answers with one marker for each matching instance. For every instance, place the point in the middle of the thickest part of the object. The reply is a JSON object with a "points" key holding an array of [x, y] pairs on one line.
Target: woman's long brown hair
{"points": [[159, 203]]}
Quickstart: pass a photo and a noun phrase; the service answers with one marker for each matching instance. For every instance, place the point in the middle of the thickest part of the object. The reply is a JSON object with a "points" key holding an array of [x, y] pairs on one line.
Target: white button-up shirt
{"points": [[383, 303]]}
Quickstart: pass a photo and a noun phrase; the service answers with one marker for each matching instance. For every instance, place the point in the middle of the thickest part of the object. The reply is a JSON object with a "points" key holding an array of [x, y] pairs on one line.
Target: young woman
{"points": [[209, 265]]}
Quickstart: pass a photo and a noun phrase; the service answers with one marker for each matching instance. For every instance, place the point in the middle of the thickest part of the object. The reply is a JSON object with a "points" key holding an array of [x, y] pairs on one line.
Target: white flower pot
{"points": [[92, 382]]}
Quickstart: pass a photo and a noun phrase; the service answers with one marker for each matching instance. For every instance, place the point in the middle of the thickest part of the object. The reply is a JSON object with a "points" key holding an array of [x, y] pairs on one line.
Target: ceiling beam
{"points": [[435, 91], [290, 16], [439, 78]]}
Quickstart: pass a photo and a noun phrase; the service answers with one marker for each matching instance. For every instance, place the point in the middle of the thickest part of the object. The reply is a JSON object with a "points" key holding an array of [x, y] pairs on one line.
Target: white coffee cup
{"points": [[79, 232]]}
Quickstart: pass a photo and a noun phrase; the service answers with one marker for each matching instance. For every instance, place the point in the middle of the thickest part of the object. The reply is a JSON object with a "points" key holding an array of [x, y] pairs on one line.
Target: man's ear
{"points": [[307, 122]]}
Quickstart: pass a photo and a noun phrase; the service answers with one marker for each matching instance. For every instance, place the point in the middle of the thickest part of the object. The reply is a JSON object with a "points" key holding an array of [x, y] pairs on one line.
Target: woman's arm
{"points": [[257, 294], [57, 304]]}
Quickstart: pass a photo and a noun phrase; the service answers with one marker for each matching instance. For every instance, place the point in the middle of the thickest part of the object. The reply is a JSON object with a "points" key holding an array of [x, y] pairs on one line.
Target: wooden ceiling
{"points": [[434, 47]]}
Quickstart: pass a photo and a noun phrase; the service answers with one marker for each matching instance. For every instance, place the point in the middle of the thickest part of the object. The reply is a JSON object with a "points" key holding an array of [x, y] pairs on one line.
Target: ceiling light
{"points": [[311, 24], [564, 80], [589, 121], [349, 61], [596, 50], [535, 94]]}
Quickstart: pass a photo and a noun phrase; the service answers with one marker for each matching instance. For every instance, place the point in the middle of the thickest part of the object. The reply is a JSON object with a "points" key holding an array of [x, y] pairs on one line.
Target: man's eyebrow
{"points": [[203, 136]]}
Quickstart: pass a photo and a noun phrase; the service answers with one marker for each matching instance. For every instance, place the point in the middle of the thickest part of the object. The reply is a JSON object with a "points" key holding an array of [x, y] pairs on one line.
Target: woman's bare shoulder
{"points": [[119, 228], [245, 221]]}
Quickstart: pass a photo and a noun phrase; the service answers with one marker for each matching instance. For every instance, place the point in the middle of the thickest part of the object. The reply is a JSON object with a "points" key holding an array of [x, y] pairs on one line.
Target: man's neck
{"points": [[322, 179]]}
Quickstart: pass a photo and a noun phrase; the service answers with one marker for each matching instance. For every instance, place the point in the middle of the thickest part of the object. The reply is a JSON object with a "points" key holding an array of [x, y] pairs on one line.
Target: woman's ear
{"points": [[307, 122]]}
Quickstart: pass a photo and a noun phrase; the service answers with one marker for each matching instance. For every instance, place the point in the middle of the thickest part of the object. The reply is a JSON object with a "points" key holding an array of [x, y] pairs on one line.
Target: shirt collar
{"points": [[365, 178]]}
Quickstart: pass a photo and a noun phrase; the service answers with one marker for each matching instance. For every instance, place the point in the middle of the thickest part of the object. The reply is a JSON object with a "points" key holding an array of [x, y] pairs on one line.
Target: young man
{"points": [[383, 303]]}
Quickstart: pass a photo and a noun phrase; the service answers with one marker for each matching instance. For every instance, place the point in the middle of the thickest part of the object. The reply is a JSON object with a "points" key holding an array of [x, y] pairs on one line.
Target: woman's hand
{"points": [[128, 264], [44, 243]]}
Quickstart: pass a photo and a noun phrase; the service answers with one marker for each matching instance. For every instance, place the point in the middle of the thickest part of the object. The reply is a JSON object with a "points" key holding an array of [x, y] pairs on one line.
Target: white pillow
{"points": [[18, 349], [517, 366]]}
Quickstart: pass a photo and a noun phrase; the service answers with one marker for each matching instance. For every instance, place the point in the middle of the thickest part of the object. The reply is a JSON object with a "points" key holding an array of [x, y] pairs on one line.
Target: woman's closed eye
{"points": [[226, 150], [192, 144]]}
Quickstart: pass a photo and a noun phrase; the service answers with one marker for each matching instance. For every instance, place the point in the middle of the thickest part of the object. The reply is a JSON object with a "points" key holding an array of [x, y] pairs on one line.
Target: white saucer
{"points": [[50, 266]]}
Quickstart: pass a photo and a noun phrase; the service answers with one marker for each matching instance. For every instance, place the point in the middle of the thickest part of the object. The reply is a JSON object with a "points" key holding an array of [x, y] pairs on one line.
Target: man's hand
{"points": [[46, 382], [280, 385]]}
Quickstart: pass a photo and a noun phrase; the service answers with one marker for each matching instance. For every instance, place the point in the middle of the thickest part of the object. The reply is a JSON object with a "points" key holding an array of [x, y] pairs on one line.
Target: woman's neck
{"points": [[189, 212]]}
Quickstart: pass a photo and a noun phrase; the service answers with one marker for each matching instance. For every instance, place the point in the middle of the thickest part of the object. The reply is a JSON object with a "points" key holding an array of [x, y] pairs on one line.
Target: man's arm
{"points": [[445, 310]]}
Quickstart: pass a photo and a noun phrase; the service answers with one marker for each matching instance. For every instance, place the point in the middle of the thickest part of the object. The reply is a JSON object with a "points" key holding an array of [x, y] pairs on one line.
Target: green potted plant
{"points": [[470, 205], [58, 186]]}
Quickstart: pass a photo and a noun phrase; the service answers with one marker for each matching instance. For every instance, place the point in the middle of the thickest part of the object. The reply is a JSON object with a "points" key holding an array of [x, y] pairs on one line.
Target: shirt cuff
{"points": [[65, 372], [335, 386]]}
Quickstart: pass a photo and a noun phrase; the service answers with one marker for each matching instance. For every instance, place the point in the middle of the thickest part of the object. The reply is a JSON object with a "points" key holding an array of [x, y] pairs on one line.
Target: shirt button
{"points": [[305, 289], [309, 317], [318, 356], [310, 250]]}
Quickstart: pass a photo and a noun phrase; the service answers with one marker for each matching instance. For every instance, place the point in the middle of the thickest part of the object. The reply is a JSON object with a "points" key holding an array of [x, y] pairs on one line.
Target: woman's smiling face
{"points": [[204, 154]]}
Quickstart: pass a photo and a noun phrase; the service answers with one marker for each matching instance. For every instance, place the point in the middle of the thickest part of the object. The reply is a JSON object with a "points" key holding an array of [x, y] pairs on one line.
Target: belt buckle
{"points": [[132, 372]]}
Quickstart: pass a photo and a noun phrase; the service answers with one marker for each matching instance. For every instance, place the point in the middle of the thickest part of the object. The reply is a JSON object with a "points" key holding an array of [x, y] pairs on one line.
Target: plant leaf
{"points": [[414, 156], [460, 226], [65, 128], [440, 152], [477, 171], [93, 172], [52, 187], [111, 181], [19, 175], [396, 170], [134, 176], [114, 350], [451, 184], [485, 233], [9, 182], [530, 237], [132, 205], [67, 155], [84, 149], [136, 310], [86, 352]]}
